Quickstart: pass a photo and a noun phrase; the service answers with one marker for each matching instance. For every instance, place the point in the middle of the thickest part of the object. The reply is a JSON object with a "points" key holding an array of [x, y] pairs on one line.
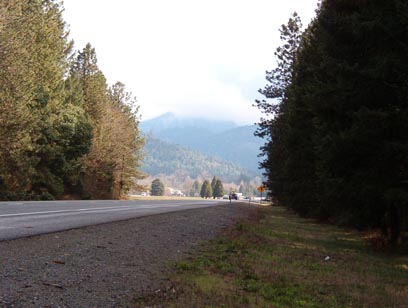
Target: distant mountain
{"points": [[238, 145], [171, 159], [171, 121], [225, 140]]}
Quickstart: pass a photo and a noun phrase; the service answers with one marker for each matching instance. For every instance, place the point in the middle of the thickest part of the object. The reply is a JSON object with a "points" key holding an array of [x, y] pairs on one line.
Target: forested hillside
{"points": [[237, 145], [338, 142], [63, 130], [166, 158], [221, 139]]}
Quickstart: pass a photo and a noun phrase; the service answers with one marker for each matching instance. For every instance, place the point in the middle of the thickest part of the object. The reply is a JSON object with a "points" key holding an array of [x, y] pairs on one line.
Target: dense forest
{"points": [[63, 131], [337, 138]]}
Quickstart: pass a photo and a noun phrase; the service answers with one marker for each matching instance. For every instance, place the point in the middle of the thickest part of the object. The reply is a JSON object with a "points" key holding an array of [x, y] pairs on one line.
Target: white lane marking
{"points": [[11, 203], [68, 211], [136, 206]]}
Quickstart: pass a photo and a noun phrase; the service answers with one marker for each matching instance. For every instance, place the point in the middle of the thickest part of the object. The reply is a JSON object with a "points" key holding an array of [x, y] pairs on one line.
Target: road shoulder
{"points": [[105, 265]]}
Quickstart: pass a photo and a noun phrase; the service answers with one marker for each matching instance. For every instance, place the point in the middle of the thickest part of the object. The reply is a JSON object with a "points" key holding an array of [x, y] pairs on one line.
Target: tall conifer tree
{"points": [[343, 124], [276, 93], [35, 121], [111, 166], [361, 114]]}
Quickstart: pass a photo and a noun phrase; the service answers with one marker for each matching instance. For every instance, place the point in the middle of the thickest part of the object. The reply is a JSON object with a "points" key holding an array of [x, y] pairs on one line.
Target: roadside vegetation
{"points": [[64, 132], [336, 116], [280, 260]]}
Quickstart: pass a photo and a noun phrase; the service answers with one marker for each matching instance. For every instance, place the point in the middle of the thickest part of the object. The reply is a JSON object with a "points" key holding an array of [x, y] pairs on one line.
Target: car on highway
{"points": [[234, 196]]}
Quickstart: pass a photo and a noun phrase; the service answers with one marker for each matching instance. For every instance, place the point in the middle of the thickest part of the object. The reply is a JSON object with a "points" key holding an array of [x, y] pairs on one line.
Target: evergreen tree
{"points": [[93, 83], [273, 127], [37, 126], [195, 189], [111, 166], [157, 188], [337, 145], [214, 180], [98, 164], [213, 183], [218, 189], [295, 132], [61, 130], [17, 93], [241, 189], [206, 190], [359, 102]]}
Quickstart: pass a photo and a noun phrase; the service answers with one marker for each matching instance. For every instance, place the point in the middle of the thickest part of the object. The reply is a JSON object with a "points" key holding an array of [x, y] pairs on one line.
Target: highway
{"points": [[28, 218]]}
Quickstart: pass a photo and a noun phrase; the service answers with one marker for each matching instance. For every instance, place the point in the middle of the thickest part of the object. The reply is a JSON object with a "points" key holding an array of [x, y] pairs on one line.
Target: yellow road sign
{"points": [[261, 188]]}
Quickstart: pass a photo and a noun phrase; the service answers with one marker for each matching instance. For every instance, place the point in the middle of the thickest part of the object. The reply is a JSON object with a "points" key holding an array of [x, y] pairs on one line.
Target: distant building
{"points": [[174, 192]]}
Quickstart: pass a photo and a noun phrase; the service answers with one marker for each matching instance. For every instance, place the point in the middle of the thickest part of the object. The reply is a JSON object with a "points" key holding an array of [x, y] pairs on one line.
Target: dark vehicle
{"points": [[233, 196]]}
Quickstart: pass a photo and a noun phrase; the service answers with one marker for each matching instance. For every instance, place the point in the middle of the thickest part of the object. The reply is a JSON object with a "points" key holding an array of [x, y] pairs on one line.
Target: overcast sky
{"points": [[190, 57]]}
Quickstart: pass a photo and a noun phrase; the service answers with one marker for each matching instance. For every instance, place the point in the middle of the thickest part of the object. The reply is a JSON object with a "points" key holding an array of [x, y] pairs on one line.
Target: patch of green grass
{"points": [[209, 283], [185, 266], [280, 261]]}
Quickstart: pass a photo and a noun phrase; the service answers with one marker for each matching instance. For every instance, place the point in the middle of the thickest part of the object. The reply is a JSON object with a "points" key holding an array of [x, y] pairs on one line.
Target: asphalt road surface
{"points": [[28, 218]]}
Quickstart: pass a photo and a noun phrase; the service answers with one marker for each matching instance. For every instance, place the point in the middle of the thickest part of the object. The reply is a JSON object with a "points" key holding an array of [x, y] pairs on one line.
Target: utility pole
{"points": [[121, 176]]}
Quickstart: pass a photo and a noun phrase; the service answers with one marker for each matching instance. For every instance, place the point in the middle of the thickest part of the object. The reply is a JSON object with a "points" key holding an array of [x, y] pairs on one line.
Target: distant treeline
{"points": [[337, 145], [63, 131]]}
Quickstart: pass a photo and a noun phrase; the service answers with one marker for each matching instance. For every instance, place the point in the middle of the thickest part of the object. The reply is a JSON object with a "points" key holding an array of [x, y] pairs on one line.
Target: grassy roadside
{"points": [[280, 260]]}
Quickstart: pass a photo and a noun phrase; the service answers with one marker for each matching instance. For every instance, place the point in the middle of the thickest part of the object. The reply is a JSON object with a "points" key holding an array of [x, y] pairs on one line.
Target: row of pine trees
{"points": [[337, 116], [215, 189], [63, 130]]}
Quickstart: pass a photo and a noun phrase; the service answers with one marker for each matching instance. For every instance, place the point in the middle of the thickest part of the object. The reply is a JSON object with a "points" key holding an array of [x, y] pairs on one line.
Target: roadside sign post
{"points": [[261, 189]]}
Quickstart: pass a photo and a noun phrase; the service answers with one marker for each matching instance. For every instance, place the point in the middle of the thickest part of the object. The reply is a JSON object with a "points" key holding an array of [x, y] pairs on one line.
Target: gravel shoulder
{"points": [[105, 265]]}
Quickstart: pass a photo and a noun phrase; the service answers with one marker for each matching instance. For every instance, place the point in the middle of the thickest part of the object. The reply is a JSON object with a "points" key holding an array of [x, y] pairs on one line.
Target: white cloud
{"points": [[191, 57]]}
